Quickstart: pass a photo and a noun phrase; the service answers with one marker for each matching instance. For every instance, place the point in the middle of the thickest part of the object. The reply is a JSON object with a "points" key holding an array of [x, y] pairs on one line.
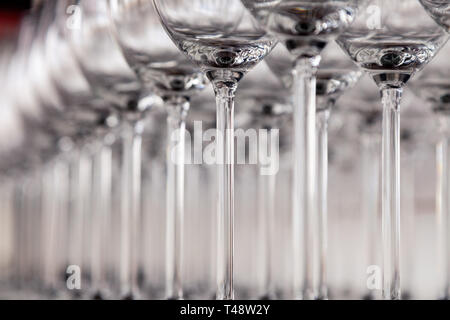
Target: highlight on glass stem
{"points": [[225, 150]]}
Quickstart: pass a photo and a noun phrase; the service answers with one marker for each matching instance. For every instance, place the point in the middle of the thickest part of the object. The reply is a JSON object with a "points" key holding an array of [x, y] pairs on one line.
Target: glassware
{"points": [[90, 41], [84, 118], [223, 41], [199, 280], [304, 28], [333, 78], [439, 11], [170, 75], [362, 103], [434, 88], [266, 107], [392, 53]]}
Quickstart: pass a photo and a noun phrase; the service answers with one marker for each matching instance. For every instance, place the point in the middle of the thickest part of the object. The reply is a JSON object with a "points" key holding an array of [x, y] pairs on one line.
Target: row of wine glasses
{"points": [[88, 158]]}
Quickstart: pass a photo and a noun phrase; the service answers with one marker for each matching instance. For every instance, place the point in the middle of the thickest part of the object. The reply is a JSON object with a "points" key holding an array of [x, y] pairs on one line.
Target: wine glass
{"points": [[439, 10], [221, 38], [433, 87], [14, 166], [43, 119], [392, 53], [199, 230], [304, 28], [418, 132], [361, 106], [266, 108], [88, 34], [80, 115], [335, 76], [161, 67]]}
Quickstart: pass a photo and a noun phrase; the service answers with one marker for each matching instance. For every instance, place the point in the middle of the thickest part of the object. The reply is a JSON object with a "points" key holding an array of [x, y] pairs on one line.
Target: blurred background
{"points": [[79, 151]]}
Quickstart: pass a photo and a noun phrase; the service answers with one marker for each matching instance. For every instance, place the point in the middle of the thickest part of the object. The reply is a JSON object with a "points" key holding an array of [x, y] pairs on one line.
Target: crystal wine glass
{"points": [[334, 77], [91, 41], [362, 103], [90, 116], [392, 52], [304, 28], [433, 87], [268, 108], [222, 39], [161, 67], [439, 11]]}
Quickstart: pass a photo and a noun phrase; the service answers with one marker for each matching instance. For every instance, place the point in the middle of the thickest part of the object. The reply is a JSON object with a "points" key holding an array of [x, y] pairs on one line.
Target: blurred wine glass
{"points": [[221, 38], [172, 77]]}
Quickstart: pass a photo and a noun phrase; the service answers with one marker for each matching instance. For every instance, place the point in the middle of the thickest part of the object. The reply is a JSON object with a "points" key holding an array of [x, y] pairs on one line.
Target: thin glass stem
{"points": [[305, 179], [322, 152], [408, 215], [75, 223], [80, 185], [130, 208], [62, 205], [48, 227], [370, 186], [100, 217], [19, 219], [391, 193], [442, 205], [86, 207], [225, 160], [266, 232], [177, 109], [7, 234]]}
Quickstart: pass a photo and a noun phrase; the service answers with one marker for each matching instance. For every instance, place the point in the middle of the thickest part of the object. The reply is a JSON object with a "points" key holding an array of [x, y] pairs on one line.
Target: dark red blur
{"points": [[10, 15]]}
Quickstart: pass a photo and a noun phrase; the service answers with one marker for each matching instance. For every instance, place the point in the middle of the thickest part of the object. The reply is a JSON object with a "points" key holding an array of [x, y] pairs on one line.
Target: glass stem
{"points": [[442, 205], [305, 174], [370, 187], [86, 200], [130, 208], [80, 186], [48, 225], [177, 108], [75, 223], [7, 233], [266, 225], [62, 180], [100, 217], [408, 213], [322, 152], [391, 193], [225, 91]]}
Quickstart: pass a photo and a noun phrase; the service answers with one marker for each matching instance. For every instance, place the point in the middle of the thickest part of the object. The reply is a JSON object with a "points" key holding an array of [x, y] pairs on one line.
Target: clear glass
{"points": [[304, 28], [232, 46], [392, 53], [162, 69], [85, 31], [391, 193], [439, 10], [266, 107], [433, 86], [322, 151], [370, 144], [442, 205]]}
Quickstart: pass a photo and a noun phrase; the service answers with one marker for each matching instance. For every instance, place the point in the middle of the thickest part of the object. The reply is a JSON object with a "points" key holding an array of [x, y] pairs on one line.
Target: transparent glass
{"points": [[391, 52], [304, 28], [232, 45], [433, 86], [161, 68]]}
